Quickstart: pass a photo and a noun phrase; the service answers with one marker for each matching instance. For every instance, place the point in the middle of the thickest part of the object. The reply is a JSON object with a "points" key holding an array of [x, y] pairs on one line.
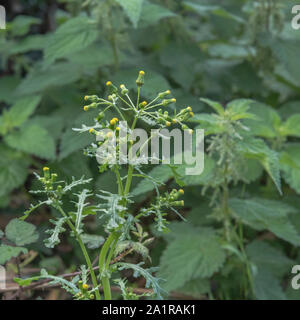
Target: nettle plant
{"points": [[125, 233]]}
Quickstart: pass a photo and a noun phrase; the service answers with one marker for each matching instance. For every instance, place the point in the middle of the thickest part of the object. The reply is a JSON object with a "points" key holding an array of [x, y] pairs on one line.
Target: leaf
{"points": [[8, 252], [153, 13], [215, 105], [211, 9], [196, 288], [56, 75], [72, 36], [265, 256], [54, 233], [193, 254], [34, 140], [92, 241], [133, 9], [19, 113], [13, 169], [291, 127], [21, 233], [253, 148], [267, 123], [21, 24], [80, 205], [263, 214], [289, 164]]}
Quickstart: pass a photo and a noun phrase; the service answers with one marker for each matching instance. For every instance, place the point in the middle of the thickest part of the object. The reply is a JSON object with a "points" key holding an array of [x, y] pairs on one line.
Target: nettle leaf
{"points": [[291, 127], [21, 24], [290, 166], [8, 252], [72, 36], [13, 169], [54, 233], [21, 233], [193, 253], [32, 139], [153, 13], [267, 123], [56, 75], [212, 9], [215, 105], [19, 113], [264, 256], [92, 241], [263, 214], [257, 149], [133, 9]]}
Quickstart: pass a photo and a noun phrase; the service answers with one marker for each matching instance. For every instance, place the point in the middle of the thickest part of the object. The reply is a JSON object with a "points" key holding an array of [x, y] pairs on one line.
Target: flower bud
{"points": [[161, 95], [140, 79]]}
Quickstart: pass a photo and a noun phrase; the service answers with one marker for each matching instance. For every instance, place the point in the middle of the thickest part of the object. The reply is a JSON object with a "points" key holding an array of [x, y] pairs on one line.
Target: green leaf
{"points": [[18, 113], [153, 13], [13, 169], [263, 214], [211, 9], [72, 36], [8, 252], [34, 140], [21, 233], [253, 148], [194, 254], [54, 240], [267, 123], [263, 255], [21, 25], [133, 9], [7, 88], [56, 75], [92, 241], [289, 164], [215, 105], [291, 127]]}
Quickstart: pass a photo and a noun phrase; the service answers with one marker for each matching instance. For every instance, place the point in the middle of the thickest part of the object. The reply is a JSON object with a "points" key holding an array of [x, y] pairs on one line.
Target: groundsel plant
{"points": [[124, 231]]}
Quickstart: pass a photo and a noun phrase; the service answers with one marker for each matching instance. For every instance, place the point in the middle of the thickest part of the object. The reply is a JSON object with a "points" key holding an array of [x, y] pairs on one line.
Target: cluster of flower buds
{"points": [[172, 198], [48, 179], [84, 293]]}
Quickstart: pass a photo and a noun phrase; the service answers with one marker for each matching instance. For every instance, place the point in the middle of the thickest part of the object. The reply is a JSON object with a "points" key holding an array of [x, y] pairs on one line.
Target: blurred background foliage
{"points": [[56, 51]]}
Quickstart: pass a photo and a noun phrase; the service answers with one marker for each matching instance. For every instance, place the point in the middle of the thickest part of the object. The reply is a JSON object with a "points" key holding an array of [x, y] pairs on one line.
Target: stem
{"points": [[84, 251]]}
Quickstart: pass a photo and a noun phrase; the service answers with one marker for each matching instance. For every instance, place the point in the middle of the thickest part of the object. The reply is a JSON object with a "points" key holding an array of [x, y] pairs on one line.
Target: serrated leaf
{"points": [[153, 13], [133, 9], [72, 36], [8, 252], [289, 164], [257, 149], [291, 127], [215, 105], [192, 255], [18, 113], [20, 232], [267, 123], [54, 240], [13, 169], [56, 75], [34, 140], [263, 214]]}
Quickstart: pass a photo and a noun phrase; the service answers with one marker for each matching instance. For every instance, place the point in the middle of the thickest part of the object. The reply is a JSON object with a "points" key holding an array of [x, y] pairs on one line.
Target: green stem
{"points": [[84, 251]]}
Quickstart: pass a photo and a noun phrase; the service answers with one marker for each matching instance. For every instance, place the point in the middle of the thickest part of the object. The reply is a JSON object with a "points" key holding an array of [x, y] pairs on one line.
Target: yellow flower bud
{"points": [[173, 100], [109, 134], [92, 130], [86, 98], [112, 122], [142, 73], [182, 202], [191, 114], [46, 169], [189, 109], [144, 103], [191, 131], [85, 286], [86, 108], [174, 121], [115, 119], [168, 123], [108, 83], [181, 191], [118, 128]]}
